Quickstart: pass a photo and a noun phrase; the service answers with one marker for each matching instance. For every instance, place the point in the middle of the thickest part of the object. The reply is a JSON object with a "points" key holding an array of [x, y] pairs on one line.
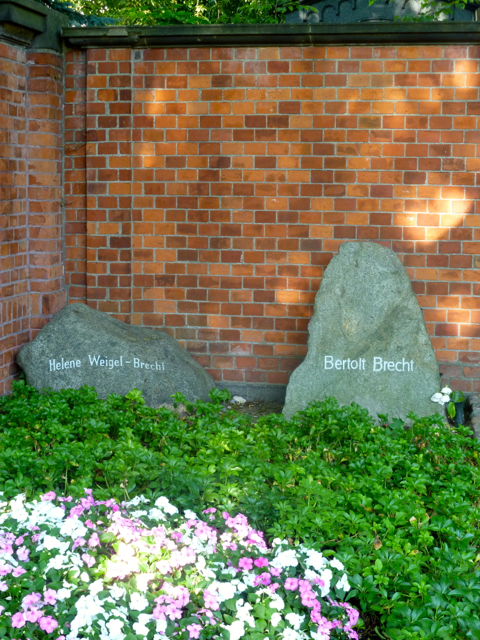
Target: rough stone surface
{"points": [[475, 417], [366, 318], [112, 357]]}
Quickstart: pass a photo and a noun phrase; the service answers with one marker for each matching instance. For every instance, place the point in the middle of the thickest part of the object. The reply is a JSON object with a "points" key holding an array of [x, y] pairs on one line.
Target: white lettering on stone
{"points": [[106, 362], [360, 364], [60, 365], [379, 364], [344, 365]]}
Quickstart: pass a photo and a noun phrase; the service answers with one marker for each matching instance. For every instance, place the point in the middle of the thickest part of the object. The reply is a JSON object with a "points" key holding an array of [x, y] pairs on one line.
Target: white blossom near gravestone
{"points": [[82, 346], [367, 339]]}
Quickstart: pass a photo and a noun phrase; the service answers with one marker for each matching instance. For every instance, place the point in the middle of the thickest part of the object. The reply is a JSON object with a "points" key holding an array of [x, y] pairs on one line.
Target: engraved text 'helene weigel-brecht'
{"points": [[63, 363]]}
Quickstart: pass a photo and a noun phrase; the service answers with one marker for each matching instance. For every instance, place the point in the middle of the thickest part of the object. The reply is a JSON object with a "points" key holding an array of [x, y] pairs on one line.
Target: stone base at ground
{"points": [[82, 346], [368, 342]]}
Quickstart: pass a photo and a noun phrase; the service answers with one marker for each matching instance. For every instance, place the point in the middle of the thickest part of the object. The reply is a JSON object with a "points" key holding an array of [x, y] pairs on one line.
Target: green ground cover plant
{"points": [[397, 504]]}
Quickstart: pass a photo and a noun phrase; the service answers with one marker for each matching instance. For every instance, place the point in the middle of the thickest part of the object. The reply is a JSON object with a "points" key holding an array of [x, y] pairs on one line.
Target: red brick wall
{"points": [[31, 269], [216, 184]]}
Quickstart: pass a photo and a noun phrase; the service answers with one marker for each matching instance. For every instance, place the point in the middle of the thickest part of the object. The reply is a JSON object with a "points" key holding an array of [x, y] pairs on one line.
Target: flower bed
{"points": [[102, 571]]}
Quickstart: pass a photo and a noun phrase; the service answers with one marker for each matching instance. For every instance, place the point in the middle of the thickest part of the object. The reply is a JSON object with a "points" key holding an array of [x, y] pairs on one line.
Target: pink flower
{"points": [[88, 559], [291, 584], [18, 621], [261, 562], [264, 578], [48, 624], [23, 554], [94, 541], [79, 542], [211, 601], [3, 586], [48, 497], [32, 598], [18, 571], [164, 566], [33, 615], [50, 596], [194, 630], [245, 563]]}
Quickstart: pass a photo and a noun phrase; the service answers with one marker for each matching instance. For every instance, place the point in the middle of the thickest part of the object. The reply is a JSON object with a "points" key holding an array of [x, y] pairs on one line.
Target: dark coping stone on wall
{"points": [[274, 34], [31, 24]]}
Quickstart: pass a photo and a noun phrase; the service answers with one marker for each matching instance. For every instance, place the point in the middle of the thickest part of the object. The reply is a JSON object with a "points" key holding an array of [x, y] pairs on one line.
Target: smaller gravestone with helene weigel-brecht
{"points": [[367, 339], [82, 346]]}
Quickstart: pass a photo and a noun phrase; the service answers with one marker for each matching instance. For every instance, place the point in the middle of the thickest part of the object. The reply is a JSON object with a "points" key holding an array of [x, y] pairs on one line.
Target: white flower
{"points": [[445, 399], [243, 613], [156, 514], [336, 564], [276, 602], [63, 594], [117, 591], [161, 627], [73, 528], [236, 629], [446, 390], [241, 586], [275, 620], [326, 577], [115, 628], [437, 397], [295, 620], [138, 602], [140, 627], [190, 515], [343, 583], [290, 634], [84, 576], [315, 559], [134, 502], [223, 590], [142, 581], [284, 559], [164, 504], [50, 542], [96, 587]]}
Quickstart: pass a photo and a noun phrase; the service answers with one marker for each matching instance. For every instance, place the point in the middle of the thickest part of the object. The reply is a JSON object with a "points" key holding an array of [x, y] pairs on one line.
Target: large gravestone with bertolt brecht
{"points": [[82, 346], [368, 342]]}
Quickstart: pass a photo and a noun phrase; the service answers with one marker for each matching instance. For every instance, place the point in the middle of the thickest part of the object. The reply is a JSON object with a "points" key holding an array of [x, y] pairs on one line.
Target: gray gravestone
{"points": [[368, 342], [83, 346]]}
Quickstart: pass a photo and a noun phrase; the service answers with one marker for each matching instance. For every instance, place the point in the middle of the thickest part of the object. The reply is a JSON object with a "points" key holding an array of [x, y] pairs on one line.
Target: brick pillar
{"points": [[109, 181], [44, 186], [31, 267], [75, 176], [14, 297]]}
